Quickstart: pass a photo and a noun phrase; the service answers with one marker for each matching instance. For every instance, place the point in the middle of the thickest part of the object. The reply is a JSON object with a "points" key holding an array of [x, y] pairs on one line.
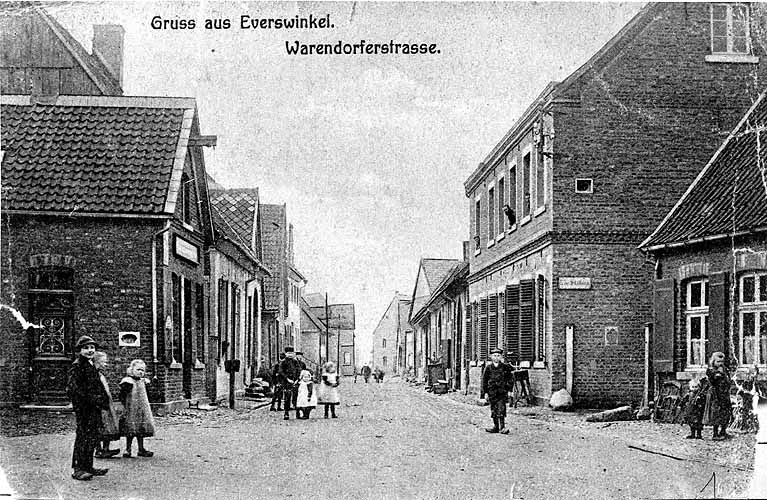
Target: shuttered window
{"points": [[520, 333], [492, 334], [526, 320], [467, 335], [501, 320], [511, 332], [540, 344], [483, 324]]}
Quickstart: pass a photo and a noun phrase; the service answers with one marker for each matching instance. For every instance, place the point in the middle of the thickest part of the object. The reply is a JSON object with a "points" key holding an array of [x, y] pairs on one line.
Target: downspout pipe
{"points": [[154, 293]]}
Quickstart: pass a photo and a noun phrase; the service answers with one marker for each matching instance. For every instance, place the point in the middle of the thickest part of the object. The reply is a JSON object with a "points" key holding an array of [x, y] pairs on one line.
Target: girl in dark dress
{"points": [[718, 410], [696, 404]]}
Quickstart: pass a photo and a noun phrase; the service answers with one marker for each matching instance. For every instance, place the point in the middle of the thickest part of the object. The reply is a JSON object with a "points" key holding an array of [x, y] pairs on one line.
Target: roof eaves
{"points": [[647, 243], [178, 162]]}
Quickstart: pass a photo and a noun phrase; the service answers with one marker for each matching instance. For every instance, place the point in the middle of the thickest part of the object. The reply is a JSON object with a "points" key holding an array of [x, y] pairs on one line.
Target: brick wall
{"points": [[607, 370], [647, 124], [112, 287], [387, 329]]}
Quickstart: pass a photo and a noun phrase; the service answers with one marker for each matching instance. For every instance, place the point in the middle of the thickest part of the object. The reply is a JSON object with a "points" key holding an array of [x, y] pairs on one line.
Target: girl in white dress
{"points": [[328, 391], [306, 399]]}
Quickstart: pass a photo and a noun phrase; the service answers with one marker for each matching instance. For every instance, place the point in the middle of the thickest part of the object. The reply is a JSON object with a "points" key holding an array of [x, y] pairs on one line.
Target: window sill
{"points": [[188, 226], [525, 220], [539, 364], [732, 58], [477, 252], [512, 229], [524, 364], [539, 210], [500, 237], [175, 365], [490, 243], [199, 365]]}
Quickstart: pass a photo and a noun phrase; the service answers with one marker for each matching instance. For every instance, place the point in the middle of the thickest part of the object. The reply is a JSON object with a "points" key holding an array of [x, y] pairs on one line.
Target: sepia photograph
{"points": [[383, 250]]}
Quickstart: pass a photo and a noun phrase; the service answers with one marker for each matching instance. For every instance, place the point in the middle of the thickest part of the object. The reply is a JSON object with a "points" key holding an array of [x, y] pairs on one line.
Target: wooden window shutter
{"points": [[467, 335], [483, 329], [475, 331], [663, 325], [492, 334], [511, 332], [718, 324], [526, 320], [540, 344], [501, 319]]}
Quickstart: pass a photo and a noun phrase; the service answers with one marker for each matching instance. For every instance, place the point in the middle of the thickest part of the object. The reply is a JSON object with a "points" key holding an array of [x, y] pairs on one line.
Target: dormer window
{"points": [[730, 33]]}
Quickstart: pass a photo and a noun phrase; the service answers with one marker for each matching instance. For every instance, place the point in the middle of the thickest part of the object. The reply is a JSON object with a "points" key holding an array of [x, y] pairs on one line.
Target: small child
{"points": [[306, 399], [745, 418], [110, 429], [328, 390], [693, 411], [137, 420]]}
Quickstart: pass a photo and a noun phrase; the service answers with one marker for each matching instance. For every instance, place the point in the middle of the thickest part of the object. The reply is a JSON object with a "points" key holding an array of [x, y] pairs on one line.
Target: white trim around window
{"points": [[696, 323], [752, 318], [588, 190], [730, 30]]}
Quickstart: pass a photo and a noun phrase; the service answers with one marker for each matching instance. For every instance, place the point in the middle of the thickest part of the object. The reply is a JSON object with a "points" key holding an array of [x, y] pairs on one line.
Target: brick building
{"points": [[236, 276], [425, 347], [710, 255], [313, 337], [441, 317], [104, 225], [389, 336], [559, 205]]}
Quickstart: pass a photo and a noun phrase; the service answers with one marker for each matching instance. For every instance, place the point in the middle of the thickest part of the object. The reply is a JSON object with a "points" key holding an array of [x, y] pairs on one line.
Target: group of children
{"points": [[708, 403], [97, 420], [308, 396]]}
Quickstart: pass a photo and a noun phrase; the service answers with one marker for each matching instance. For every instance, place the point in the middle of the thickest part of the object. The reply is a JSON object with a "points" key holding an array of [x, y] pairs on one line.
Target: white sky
{"points": [[369, 152]]}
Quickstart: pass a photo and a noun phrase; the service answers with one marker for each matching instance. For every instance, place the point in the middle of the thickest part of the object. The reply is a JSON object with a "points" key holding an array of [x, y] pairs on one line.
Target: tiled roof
{"points": [[222, 228], [315, 299], [436, 270], [306, 311], [91, 154], [729, 196], [238, 207]]}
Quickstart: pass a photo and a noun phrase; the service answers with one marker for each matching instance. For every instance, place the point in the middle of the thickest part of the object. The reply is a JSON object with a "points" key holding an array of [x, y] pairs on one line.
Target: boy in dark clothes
{"points": [[693, 411], [290, 370], [496, 379], [277, 385], [88, 397]]}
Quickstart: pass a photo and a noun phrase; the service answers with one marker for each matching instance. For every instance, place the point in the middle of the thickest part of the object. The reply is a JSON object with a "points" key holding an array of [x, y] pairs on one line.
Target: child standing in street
{"points": [[718, 410], [328, 390], [137, 420], [110, 429], [496, 386], [745, 418], [88, 397], [696, 404], [306, 399]]}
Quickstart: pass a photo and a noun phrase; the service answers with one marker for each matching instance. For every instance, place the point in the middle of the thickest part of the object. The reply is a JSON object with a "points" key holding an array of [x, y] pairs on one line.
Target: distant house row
{"points": [[112, 227], [617, 229]]}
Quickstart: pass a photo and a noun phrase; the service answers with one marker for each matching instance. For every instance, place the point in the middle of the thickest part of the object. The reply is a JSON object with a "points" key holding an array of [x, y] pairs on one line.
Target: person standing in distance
{"points": [[290, 370]]}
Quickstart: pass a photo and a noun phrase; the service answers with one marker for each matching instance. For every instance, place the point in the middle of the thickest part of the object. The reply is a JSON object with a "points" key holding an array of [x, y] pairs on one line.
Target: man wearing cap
{"points": [[290, 369], [300, 359], [88, 397], [496, 386], [277, 385]]}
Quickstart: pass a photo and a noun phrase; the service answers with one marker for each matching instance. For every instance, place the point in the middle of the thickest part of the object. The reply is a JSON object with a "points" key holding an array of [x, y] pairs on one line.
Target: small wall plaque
{"points": [[574, 283], [129, 339], [611, 335]]}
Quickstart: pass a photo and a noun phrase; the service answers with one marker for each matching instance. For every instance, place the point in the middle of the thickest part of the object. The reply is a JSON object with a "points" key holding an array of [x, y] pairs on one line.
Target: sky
{"points": [[369, 152]]}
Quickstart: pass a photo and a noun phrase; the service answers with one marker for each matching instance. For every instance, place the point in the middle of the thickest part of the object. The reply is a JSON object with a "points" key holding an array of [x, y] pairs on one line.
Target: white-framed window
{"points": [[752, 310], [383, 343], [696, 317], [513, 193], [527, 184], [477, 225], [540, 181], [584, 186], [491, 216], [501, 203], [730, 28]]}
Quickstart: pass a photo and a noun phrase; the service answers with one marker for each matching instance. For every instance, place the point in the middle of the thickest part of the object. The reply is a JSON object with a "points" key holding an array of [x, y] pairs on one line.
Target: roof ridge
{"points": [[106, 101]]}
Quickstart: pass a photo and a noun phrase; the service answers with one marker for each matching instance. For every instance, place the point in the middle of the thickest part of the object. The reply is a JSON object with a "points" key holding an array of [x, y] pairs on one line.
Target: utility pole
{"points": [[327, 330], [338, 340], [396, 343]]}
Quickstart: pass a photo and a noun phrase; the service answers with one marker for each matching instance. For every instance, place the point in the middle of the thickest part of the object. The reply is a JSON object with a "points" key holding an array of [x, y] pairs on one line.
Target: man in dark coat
{"points": [[290, 370], [366, 373], [88, 397], [277, 385], [300, 359], [496, 386]]}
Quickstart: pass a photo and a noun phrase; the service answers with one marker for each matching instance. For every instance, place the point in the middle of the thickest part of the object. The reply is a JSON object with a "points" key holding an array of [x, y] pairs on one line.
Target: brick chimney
{"points": [[108, 42]]}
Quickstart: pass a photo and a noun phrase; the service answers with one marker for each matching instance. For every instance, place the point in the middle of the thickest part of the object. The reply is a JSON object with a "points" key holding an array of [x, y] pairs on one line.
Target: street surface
{"points": [[391, 441]]}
